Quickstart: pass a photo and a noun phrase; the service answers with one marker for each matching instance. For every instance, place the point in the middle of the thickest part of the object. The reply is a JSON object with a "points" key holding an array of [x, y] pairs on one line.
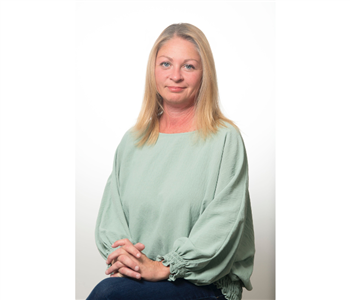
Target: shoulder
{"points": [[125, 141], [229, 128], [230, 133], [126, 137], [233, 145]]}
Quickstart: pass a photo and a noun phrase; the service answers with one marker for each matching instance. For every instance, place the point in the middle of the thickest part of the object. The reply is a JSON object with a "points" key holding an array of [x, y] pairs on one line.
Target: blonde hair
{"points": [[207, 111]]}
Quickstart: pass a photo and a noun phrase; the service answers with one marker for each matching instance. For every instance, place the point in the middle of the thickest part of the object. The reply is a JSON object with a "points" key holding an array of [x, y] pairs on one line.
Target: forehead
{"points": [[177, 48]]}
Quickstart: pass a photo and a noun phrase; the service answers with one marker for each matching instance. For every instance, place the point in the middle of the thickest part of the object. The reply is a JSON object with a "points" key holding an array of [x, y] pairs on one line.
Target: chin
{"points": [[176, 100]]}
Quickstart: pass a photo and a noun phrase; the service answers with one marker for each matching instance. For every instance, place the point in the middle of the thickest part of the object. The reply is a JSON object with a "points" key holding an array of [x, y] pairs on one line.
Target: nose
{"points": [[176, 74]]}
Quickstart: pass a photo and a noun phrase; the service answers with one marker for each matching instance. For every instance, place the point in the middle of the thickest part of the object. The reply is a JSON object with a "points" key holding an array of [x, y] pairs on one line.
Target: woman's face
{"points": [[178, 71]]}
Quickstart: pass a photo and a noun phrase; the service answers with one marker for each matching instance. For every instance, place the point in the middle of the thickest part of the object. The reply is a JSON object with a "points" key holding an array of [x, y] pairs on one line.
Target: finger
{"points": [[129, 262], [123, 259], [117, 275], [120, 251], [129, 273], [131, 249], [139, 246], [128, 248], [121, 242], [134, 250], [114, 268], [114, 255]]}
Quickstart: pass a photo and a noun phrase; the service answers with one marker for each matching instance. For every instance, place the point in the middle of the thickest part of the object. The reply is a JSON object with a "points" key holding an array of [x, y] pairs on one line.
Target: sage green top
{"points": [[188, 203]]}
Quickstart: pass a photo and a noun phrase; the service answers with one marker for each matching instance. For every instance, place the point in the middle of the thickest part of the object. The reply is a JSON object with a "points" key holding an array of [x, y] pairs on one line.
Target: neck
{"points": [[177, 119]]}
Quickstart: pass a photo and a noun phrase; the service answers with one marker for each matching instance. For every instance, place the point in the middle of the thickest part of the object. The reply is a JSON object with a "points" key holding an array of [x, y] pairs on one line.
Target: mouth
{"points": [[175, 88]]}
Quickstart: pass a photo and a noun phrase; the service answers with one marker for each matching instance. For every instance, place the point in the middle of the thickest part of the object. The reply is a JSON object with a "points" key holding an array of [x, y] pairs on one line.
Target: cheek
{"points": [[157, 76], [160, 79], [160, 76], [195, 80]]}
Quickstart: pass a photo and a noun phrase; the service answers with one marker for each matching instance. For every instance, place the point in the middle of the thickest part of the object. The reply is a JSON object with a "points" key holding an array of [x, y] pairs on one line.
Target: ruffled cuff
{"points": [[232, 290], [178, 266]]}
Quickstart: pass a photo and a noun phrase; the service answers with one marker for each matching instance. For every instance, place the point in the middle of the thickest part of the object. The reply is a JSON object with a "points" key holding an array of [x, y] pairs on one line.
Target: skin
{"points": [[128, 260], [178, 64]]}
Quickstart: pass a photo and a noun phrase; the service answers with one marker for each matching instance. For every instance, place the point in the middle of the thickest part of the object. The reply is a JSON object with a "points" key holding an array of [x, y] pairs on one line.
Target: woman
{"points": [[175, 218]]}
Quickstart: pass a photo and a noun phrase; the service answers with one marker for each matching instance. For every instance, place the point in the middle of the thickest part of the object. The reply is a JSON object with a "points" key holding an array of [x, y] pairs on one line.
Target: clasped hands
{"points": [[129, 261]]}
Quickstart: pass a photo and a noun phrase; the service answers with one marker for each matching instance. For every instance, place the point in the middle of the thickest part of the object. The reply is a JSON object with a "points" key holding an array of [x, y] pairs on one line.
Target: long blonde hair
{"points": [[207, 111]]}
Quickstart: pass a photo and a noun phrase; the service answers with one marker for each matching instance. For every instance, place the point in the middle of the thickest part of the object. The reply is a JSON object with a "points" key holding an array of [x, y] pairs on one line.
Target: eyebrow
{"points": [[184, 60]]}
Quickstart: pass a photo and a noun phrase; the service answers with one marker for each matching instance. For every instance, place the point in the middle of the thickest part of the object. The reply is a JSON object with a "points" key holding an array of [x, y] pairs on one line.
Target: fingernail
{"points": [[138, 255], [137, 268]]}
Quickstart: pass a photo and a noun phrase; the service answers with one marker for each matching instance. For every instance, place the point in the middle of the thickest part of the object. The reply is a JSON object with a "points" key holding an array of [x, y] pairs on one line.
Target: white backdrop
{"points": [[113, 41]]}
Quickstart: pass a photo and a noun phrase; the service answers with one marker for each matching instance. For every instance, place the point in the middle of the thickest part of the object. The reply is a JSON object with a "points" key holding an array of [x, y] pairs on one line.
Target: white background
{"points": [[113, 41], [39, 79]]}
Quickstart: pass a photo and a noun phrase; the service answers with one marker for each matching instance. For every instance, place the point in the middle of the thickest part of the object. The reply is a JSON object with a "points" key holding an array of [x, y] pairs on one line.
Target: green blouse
{"points": [[187, 201]]}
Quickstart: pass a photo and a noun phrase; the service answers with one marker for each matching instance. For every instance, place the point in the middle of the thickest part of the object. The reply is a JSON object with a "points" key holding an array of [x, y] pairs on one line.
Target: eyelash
{"points": [[162, 64], [191, 66]]}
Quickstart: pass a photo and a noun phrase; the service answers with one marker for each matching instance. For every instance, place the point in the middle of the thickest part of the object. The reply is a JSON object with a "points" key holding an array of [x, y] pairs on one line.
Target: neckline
{"points": [[177, 133]]}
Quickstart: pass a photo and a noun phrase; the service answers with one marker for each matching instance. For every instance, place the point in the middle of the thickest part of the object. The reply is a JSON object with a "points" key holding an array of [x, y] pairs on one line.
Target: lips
{"points": [[175, 88]]}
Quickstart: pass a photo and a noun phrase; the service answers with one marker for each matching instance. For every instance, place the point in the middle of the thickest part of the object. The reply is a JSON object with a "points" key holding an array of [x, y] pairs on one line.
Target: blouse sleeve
{"points": [[111, 224], [222, 240]]}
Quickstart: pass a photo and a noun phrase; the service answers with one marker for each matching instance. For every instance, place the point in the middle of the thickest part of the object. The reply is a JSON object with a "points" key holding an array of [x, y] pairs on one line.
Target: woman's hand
{"points": [[121, 261], [152, 270], [149, 270], [127, 260]]}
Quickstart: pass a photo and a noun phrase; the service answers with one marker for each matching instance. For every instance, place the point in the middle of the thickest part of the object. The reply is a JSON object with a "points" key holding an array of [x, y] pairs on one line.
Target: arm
{"points": [[222, 238], [112, 234], [114, 241], [111, 224]]}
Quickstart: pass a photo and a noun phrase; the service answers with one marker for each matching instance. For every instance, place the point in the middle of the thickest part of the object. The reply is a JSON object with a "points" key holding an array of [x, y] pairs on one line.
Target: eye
{"points": [[165, 64], [189, 67]]}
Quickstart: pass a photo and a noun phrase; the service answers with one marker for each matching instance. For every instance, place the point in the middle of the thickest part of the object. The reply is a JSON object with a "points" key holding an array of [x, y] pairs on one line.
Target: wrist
{"points": [[165, 271]]}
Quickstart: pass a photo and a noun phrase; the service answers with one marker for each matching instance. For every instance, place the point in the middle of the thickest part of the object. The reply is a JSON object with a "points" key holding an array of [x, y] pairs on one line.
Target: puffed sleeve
{"points": [[221, 241], [111, 224]]}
